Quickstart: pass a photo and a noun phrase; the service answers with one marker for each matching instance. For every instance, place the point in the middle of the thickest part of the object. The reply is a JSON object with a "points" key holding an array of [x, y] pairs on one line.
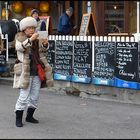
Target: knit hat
{"points": [[70, 9], [34, 11], [27, 22]]}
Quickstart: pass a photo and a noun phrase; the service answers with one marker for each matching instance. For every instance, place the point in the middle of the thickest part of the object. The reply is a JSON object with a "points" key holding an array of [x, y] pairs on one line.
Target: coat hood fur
{"points": [[20, 36]]}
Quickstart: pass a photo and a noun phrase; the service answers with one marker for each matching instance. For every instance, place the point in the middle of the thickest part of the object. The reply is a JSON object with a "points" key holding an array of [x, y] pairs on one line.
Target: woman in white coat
{"points": [[30, 51]]}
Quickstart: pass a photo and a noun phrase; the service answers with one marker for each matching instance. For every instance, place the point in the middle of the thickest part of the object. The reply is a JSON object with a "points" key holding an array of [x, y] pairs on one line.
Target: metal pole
{"points": [[138, 19]]}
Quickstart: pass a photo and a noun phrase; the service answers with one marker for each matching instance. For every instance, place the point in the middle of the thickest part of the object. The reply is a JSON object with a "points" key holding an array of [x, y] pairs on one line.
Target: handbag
{"points": [[41, 72], [40, 69]]}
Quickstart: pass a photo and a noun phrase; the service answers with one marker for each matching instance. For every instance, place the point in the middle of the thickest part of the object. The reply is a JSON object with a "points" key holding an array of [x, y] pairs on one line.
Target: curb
{"points": [[6, 81]]}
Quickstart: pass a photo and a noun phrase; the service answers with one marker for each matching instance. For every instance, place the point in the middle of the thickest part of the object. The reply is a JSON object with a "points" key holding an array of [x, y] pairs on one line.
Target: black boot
{"points": [[19, 114], [29, 117]]}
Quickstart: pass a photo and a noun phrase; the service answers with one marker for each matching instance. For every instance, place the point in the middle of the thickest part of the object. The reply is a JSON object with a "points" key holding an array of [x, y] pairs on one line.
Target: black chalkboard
{"points": [[3, 53], [82, 68], [126, 67], [104, 63], [3, 57], [139, 63], [88, 26], [84, 24], [51, 53], [63, 60]]}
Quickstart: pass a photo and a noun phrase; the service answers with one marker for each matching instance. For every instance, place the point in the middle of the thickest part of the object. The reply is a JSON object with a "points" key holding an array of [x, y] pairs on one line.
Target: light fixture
{"points": [[115, 7]]}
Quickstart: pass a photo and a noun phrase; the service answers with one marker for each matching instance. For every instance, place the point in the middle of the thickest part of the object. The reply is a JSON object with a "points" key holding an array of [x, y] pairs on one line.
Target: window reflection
{"points": [[88, 7]]}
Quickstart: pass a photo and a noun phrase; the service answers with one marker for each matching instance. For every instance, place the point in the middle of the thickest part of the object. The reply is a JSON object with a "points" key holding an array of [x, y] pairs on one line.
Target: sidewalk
{"points": [[69, 117]]}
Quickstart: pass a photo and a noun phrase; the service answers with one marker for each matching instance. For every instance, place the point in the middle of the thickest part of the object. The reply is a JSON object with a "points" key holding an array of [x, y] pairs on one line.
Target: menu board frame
{"points": [[90, 26]]}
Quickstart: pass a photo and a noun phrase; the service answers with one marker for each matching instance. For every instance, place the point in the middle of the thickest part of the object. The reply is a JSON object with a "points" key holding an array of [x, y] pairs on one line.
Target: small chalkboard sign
{"points": [[51, 53], [63, 60], [139, 65], [82, 69], [126, 68], [104, 52], [3, 57], [88, 26]]}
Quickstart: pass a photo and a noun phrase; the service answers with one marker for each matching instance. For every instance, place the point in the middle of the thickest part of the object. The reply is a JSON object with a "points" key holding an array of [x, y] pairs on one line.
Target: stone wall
{"points": [[100, 92]]}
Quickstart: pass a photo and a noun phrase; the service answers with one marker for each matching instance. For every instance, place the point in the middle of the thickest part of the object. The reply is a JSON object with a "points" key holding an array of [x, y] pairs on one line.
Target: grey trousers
{"points": [[30, 96]]}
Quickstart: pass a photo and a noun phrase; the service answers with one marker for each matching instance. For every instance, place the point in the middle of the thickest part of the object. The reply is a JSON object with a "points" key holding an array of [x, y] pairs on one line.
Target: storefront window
{"points": [[114, 16]]}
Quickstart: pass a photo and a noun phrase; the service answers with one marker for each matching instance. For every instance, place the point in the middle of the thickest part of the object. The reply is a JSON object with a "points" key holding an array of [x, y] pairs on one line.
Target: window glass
{"points": [[88, 7], [114, 16]]}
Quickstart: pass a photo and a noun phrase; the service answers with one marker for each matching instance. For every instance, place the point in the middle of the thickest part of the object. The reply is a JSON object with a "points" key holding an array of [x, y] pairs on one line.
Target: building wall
{"points": [[98, 11], [80, 8], [132, 17]]}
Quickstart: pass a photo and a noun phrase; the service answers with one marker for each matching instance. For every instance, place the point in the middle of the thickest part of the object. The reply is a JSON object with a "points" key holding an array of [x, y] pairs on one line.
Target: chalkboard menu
{"points": [[3, 55], [51, 53], [82, 68], [139, 65], [88, 26], [84, 24], [104, 63], [63, 60], [126, 68]]}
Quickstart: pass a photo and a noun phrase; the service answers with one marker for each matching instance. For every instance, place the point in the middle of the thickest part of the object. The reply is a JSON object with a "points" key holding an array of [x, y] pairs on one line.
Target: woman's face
{"points": [[29, 31]]}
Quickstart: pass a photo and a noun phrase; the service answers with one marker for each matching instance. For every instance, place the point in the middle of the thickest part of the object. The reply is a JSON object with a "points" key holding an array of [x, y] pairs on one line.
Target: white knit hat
{"points": [[27, 22]]}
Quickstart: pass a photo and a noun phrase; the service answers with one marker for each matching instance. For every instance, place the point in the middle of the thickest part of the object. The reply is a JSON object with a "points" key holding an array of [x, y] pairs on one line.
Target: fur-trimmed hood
{"points": [[20, 36]]}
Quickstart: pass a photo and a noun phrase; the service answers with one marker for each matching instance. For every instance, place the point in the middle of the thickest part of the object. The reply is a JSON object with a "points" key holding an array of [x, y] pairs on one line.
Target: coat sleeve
{"points": [[43, 48], [21, 46], [46, 47]]}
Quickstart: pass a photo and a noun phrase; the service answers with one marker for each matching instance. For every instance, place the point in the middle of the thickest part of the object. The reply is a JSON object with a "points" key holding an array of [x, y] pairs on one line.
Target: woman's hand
{"points": [[34, 37], [45, 42]]}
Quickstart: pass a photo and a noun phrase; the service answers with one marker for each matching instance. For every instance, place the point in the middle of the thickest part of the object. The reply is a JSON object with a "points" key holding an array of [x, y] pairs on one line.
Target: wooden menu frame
{"points": [[88, 26]]}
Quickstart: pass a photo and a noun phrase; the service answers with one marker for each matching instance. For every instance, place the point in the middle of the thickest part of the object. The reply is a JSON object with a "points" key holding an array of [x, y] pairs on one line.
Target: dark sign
{"points": [[126, 61], [139, 65], [3, 55], [63, 60], [51, 53], [3, 58], [82, 61], [104, 63]]}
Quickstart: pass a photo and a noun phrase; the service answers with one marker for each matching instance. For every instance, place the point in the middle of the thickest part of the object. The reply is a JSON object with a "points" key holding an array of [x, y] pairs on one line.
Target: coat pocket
{"points": [[18, 68]]}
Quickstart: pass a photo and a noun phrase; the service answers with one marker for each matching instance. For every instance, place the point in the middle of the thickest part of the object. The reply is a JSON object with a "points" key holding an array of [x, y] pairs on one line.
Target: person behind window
{"points": [[64, 23], [41, 25]]}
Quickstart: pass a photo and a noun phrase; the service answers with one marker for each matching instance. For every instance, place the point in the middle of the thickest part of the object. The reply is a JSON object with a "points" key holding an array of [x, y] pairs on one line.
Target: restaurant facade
{"points": [[109, 16]]}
